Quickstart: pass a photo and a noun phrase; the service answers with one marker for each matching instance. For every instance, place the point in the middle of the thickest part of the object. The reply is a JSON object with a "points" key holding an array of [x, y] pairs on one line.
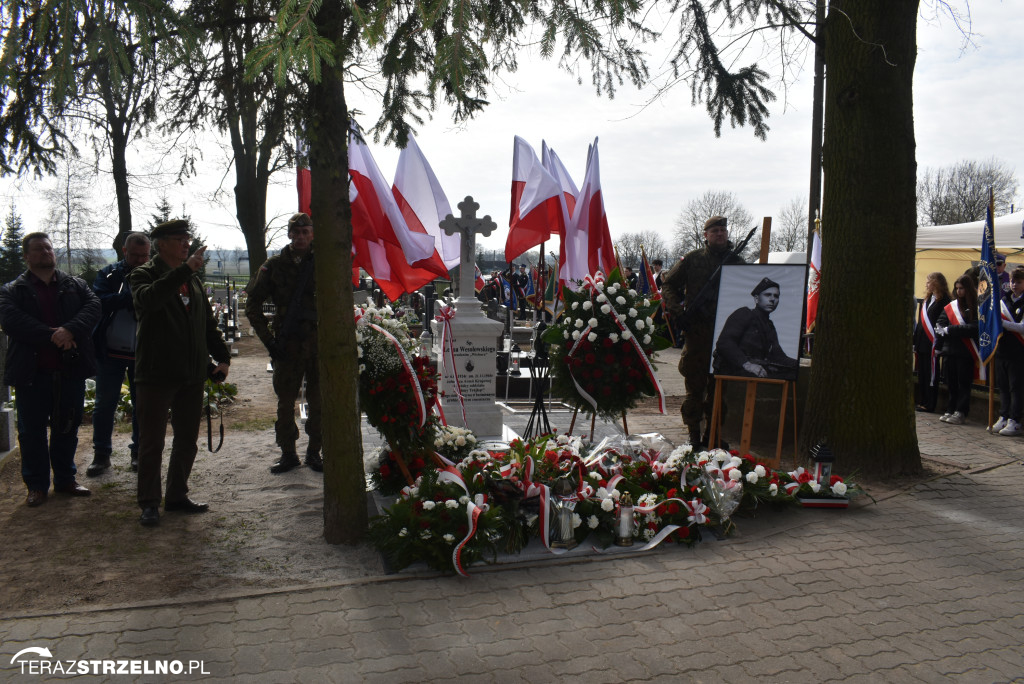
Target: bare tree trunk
{"points": [[861, 389], [345, 517]]}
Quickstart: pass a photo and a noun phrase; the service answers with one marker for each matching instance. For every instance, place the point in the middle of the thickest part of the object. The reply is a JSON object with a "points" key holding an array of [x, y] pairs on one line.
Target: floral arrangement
{"points": [[674, 493], [602, 345], [396, 387]]}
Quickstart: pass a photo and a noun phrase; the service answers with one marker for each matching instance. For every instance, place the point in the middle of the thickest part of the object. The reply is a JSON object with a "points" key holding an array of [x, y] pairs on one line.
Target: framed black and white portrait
{"points": [[757, 324]]}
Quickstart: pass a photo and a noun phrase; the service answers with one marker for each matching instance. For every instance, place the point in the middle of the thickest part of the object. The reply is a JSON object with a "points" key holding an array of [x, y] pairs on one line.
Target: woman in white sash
{"points": [[936, 297], [958, 330]]}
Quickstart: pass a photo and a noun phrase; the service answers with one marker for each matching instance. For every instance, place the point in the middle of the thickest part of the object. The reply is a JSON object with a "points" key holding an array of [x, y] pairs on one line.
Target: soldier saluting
{"points": [[288, 280]]}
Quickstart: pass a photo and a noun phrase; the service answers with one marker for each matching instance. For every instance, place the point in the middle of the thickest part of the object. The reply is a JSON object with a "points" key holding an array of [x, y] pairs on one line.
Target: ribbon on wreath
{"points": [[472, 522], [627, 334], [403, 357], [444, 317]]}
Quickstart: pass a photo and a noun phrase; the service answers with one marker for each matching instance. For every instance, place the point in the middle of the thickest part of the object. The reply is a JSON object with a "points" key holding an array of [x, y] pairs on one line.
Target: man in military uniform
{"points": [[520, 281], [682, 286], [748, 345], [288, 280]]}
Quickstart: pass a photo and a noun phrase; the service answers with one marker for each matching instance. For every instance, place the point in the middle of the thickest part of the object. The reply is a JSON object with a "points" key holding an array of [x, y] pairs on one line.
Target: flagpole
{"points": [[661, 300], [996, 301]]}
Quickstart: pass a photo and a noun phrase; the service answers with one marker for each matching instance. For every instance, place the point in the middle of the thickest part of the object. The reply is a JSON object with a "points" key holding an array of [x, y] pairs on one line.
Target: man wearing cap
{"points": [[288, 279], [1004, 277], [115, 351], [682, 286], [49, 317], [748, 345], [177, 334], [520, 281]]}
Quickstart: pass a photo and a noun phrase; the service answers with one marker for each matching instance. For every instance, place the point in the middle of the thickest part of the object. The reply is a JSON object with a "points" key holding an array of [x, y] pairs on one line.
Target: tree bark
{"points": [[345, 517], [861, 390]]}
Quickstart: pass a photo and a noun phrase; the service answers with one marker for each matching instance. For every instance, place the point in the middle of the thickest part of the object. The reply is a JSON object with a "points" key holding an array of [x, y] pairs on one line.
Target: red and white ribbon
{"points": [[444, 316], [955, 316], [472, 520]]}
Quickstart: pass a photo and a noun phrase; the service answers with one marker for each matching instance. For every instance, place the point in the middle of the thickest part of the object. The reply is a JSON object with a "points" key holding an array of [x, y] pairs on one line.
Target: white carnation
{"points": [[632, 312], [639, 325], [614, 337], [752, 477], [735, 475], [575, 305], [601, 299], [607, 505], [759, 469], [576, 520], [578, 323], [626, 334], [592, 322], [575, 334], [451, 503], [592, 337], [647, 339], [588, 305], [620, 300], [593, 522], [428, 505], [449, 538]]}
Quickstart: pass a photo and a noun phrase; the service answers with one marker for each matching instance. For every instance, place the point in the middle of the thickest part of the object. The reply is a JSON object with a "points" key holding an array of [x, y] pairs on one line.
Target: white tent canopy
{"points": [[968, 235]]}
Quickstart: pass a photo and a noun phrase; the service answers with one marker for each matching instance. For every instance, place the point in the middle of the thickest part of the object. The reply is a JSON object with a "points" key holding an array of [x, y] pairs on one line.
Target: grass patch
{"points": [[253, 425]]}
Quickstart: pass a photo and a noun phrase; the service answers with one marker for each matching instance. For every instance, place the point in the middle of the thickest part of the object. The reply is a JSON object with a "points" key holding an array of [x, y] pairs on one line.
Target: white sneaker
{"points": [[1012, 428], [945, 417], [956, 419], [1000, 424]]}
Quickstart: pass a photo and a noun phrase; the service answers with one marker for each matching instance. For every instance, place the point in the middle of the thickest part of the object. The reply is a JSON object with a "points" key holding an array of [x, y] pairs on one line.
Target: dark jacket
{"points": [[686, 280], [276, 281], [115, 295], [750, 336], [173, 343], [1010, 345], [922, 344], [20, 317], [955, 343]]}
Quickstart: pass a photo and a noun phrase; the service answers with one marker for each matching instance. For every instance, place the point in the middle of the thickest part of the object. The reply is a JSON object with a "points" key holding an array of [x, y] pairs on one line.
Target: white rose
{"points": [[759, 469], [620, 300], [578, 323], [647, 339], [607, 505], [575, 334], [751, 477], [588, 305], [839, 489], [592, 322], [593, 522], [815, 486], [592, 337], [428, 505]]}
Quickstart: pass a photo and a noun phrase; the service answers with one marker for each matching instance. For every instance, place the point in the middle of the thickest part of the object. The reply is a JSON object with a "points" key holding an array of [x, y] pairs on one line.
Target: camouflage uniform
{"points": [[294, 353], [681, 286]]}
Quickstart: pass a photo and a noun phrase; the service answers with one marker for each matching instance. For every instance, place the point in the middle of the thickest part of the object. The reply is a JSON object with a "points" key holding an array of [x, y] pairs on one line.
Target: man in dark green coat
{"points": [[176, 337], [287, 279], [682, 286]]}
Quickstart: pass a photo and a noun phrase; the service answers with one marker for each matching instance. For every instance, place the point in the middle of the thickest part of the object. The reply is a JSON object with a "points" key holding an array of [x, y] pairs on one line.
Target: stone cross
{"points": [[467, 226]]}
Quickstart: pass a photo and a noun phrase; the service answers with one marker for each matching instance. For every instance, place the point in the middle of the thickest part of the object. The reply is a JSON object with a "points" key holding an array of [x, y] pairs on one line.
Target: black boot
{"points": [[135, 462], [100, 464], [288, 460], [314, 461], [695, 441]]}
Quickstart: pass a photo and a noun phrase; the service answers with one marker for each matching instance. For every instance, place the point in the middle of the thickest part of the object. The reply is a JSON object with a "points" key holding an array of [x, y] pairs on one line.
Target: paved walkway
{"points": [[924, 586]]}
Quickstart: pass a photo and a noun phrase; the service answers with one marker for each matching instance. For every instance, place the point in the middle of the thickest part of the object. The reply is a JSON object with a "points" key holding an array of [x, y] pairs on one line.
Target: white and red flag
{"points": [[813, 281], [377, 218], [423, 203], [536, 211], [303, 182], [588, 243]]}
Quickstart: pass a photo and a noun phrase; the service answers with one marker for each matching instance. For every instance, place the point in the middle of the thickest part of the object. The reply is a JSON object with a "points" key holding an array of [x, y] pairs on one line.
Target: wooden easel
{"points": [[748, 413]]}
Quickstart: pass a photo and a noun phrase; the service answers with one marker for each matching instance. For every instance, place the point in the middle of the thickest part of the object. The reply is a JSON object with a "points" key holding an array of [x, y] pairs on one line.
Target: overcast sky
{"points": [[968, 103]]}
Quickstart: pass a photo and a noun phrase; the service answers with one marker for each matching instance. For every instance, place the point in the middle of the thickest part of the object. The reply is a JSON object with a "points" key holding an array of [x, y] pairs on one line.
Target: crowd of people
{"points": [[946, 346]]}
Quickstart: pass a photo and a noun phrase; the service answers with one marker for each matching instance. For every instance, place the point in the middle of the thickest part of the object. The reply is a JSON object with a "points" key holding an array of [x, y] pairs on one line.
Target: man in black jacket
{"points": [[49, 317], [115, 351]]}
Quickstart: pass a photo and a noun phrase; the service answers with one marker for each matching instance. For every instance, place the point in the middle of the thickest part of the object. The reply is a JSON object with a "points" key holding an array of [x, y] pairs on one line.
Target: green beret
{"points": [[716, 221], [168, 228], [764, 285]]}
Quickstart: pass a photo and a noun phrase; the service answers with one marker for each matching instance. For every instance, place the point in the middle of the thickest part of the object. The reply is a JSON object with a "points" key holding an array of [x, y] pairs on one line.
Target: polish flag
{"points": [[536, 202], [813, 282], [588, 243], [570, 192], [424, 204], [303, 181], [378, 224]]}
